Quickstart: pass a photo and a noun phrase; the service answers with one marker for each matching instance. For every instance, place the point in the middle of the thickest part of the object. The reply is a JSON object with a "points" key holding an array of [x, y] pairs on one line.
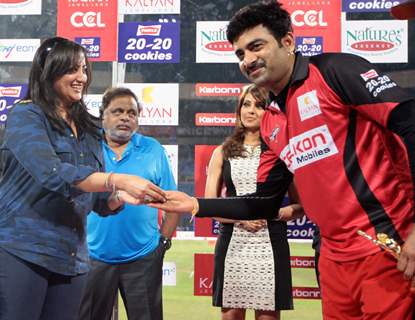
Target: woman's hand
{"points": [[135, 187], [252, 225]]}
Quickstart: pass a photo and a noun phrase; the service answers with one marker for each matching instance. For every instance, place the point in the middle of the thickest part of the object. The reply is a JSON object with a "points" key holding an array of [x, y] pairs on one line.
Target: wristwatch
{"points": [[166, 242]]}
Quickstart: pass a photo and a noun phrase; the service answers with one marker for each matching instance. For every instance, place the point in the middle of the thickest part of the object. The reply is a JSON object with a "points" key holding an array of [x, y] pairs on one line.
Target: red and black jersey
{"points": [[329, 127], [350, 171]]}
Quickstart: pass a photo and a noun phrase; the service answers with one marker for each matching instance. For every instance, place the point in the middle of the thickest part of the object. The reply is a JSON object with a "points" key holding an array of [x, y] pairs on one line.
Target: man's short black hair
{"points": [[112, 93], [268, 13]]}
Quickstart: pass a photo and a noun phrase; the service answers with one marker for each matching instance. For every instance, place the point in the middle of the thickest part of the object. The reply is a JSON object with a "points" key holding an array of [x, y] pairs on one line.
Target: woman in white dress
{"points": [[252, 265]]}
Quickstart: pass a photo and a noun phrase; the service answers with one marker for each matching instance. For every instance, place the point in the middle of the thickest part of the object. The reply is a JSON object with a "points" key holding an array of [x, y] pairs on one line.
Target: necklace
{"points": [[251, 150]]}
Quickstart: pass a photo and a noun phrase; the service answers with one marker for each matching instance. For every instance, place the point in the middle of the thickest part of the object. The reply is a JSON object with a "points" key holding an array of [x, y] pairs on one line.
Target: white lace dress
{"points": [[245, 262]]}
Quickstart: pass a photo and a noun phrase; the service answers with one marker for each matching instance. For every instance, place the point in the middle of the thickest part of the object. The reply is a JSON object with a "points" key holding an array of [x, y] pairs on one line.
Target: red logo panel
{"points": [[203, 153], [203, 274], [93, 19], [312, 18]]}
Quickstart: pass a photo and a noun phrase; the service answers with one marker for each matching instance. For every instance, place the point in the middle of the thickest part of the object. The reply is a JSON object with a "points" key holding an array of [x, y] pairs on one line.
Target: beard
{"points": [[119, 136]]}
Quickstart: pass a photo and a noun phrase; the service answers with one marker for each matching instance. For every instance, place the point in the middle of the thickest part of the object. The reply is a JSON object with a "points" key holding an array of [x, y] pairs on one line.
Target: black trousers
{"points": [[139, 282], [28, 291]]}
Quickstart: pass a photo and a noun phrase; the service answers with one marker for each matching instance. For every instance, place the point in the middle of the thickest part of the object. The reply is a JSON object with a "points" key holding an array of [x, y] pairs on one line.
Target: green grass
{"points": [[179, 302]]}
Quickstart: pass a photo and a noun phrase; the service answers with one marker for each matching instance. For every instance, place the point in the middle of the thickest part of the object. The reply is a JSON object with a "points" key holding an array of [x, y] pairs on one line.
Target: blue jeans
{"points": [[28, 291]]}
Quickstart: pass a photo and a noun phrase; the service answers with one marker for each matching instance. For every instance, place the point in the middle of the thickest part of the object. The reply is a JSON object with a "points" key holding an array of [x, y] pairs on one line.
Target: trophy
{"points": [[382, 240]]}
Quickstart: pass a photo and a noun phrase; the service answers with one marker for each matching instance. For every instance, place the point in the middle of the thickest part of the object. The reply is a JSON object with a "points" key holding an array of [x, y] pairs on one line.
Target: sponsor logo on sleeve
{"points": [[309, 147], [376, 83], [274, 134], [308, 105], [369, 75]]}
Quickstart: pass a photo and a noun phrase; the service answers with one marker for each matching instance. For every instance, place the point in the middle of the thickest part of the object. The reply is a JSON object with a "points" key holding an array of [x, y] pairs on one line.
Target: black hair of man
{"points": [[268, 13]]}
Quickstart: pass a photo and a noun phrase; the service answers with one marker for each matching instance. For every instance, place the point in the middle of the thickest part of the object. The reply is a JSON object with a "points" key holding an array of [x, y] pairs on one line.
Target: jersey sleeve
{"points": [[273, 179], [402, 123], [361, 85]]}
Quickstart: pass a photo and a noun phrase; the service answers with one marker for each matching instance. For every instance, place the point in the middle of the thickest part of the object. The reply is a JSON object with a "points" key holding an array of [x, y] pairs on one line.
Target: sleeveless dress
{"points": [[252, 270]]}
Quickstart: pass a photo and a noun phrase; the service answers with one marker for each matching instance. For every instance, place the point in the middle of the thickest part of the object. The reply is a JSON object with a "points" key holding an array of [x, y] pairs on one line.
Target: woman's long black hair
{"points": [[56, 57]]}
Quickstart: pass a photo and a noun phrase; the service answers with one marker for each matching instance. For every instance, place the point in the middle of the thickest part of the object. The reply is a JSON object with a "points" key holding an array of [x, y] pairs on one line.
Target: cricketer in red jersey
{"points": [[347, 134]]}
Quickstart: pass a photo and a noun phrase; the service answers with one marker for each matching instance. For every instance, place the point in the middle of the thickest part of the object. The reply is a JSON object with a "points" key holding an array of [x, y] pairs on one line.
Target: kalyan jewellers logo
{"points": [[371, 39]]}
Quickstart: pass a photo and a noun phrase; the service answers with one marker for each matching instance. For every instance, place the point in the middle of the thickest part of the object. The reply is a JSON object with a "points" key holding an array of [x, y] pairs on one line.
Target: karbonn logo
{"points": [[310, 18], [218, 89], [215, 119], [87, 19], [302, 262], [306, 293], [372, 5]]}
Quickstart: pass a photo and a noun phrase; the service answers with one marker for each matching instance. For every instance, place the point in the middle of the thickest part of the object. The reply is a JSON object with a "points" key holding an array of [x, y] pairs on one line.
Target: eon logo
{"points": [[308, 147], [311, 18], [88, 19]]}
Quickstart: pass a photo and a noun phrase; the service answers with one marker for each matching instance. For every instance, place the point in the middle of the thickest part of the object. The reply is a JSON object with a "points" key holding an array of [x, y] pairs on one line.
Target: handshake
{"points": [[135, 190]]}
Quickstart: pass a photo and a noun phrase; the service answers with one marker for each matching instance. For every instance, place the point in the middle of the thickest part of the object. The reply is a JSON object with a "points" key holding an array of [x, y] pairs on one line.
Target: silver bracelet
{"points": [[117, 196]]}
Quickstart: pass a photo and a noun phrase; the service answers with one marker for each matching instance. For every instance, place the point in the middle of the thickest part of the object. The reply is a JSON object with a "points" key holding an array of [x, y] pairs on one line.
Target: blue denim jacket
{"points": [[42, 213]]}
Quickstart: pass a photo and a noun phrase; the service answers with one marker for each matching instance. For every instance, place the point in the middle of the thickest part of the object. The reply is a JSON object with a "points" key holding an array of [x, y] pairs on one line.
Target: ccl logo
{"points": [[311, 18], [88, 19]]}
